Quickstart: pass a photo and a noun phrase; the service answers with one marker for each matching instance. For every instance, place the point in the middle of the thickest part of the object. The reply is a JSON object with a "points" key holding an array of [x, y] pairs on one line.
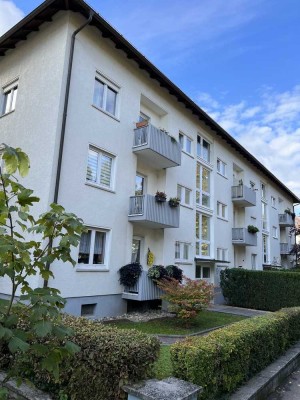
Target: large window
{"points": [[105, 95], [264, 216], [221, 167], [100, 168], [92, 248], [202, 186], [202, 235], [263, 191], [185, 143], [221, 210], [265, 240], [184, 194], [182, 251], [203, 149], [9, 98]]}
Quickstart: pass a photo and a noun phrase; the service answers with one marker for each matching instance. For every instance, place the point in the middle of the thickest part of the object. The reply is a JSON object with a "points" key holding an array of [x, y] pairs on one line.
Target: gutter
{"points": [[64, 120]]}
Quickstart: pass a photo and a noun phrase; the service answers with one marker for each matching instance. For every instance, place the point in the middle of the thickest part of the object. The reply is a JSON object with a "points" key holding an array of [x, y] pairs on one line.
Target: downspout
{"points": [[64, 119]]}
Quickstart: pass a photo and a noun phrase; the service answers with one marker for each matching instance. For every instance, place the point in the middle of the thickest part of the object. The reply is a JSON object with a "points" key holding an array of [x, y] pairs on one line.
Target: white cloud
{"points": [[269, 129], [10, 14]]}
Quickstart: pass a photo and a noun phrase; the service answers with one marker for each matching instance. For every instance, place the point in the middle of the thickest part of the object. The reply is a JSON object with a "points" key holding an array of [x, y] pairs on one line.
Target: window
{"points": [[221, 167], [143, 117], [265, 248], [9, 97], [105, 95], [253, 261], [88, 309], [185, 143], [252, 185], [275, 232], [202, 272], [202, 186], [263, 191], [202, 235], [184, 194], [100, 168], [92, 248], [273, 202], [221, 210], [222, 254], [203, 149], [182, 251], [264, 216], [139, 185], [136, 250]]}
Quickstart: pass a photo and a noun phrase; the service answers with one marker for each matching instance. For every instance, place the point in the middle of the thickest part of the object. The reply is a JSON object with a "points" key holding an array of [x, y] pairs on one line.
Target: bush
{"points": [[157, 272], [222, 360], [187, 298], [109, 358], [262, 290], [129, 274], [174, 272]]}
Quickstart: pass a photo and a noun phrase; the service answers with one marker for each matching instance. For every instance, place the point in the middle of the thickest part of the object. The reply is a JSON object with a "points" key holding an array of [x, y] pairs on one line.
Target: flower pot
{"points": [[141, 124], [173, 204], [160, 199]]}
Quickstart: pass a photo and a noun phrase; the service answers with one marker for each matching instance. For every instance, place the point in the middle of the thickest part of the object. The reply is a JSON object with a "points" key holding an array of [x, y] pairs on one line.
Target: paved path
{"points": [[169, 339], [289, 390]]}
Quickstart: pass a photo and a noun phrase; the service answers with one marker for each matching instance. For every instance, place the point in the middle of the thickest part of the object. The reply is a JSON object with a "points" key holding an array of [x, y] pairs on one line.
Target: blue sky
{"points": [[238, 59]]}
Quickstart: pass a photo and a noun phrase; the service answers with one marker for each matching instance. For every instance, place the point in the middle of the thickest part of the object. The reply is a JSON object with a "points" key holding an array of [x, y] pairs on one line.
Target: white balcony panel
{"points": [[243, 196], [145, 289], [241, 237]]}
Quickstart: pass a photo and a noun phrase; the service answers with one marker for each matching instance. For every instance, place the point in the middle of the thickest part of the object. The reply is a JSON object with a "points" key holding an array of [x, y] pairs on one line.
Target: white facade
{"points": [[100, 129]]}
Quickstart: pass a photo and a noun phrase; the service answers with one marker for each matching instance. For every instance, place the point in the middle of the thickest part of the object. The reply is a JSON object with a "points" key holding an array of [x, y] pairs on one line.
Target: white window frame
{"points": [[199, 189], [108, 84], [96, 267], [275, 232], [179, 248], [200, 147], [184, 143], [9, 97], [222, 209], [181, 194], [273, 201], [265, 248], [199, 239], [201, 272], [221, 168], [253, 261], [222, 254], [263, 189], [264, 215], [101, 152]]}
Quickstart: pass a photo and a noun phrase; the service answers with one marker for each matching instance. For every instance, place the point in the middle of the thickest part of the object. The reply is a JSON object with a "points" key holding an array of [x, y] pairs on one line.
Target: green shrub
{"points": [[263, 290], [222, 360], [109, 358]]}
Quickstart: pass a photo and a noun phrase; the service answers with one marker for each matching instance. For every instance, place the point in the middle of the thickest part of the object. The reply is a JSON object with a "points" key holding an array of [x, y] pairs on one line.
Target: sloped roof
{"points": [[49, 8]]}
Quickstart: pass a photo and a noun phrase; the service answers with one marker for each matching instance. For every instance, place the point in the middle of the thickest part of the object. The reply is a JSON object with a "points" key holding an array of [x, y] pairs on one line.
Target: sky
{"points": [[238, 59]]}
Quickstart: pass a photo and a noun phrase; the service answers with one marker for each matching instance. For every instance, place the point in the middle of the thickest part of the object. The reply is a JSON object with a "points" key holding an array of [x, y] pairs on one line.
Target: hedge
{"points": [[109, 358], [262, 290], [222, 360]]}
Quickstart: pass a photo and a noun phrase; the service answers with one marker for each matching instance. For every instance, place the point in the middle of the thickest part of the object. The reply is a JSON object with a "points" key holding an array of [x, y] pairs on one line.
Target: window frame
{"points": [[224, 254], [91, 266], [221, 206], [101, 152], [13, 88], [219, 170], [199, 190], [181, 194], [199, 149], [111, 85], [183, 144], [253, 258], [273, 202], [181, 246], [199, 238], [201, 267], [275, 232], [265, 248]]}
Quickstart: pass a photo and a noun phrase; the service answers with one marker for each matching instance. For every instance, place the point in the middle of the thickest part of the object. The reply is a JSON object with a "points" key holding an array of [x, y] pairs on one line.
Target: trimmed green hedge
{"points": [[109, 358], [262, 290], [222, 360]]}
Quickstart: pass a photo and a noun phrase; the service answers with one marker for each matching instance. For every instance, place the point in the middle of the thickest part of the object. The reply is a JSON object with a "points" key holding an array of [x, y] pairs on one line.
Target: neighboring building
{"points": [[110, 171]]}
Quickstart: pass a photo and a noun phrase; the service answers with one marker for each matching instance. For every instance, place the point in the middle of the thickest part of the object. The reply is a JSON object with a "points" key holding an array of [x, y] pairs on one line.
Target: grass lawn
{"points": [[163, 367], [174, 326]]}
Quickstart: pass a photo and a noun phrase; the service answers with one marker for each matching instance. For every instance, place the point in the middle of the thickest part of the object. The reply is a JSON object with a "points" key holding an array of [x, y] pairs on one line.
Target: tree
{"points": [[295, 230], [27, 246]]}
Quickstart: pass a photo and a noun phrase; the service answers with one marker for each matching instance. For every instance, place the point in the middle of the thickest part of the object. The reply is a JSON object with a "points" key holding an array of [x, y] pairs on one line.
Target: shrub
{"points": [[157, 272], [129, 274], [252, 229], [109, 358], [263, 290], [222, 360], [187, 298], [174, 272]]}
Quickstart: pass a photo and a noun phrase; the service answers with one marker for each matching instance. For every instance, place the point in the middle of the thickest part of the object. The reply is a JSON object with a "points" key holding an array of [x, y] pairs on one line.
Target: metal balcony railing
{"points": [[156, 148], [144, 289], [285, 220], [285, 248], [243, 196], [241, 236]]}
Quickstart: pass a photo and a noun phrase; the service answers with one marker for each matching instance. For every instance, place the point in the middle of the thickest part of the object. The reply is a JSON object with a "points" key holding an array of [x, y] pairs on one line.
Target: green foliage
{"points": [[174, 272], [262, 290], [108, 359], [187, 298], [129, 274], [224, 359], [28, 245], [252, 229], [157, 272]]}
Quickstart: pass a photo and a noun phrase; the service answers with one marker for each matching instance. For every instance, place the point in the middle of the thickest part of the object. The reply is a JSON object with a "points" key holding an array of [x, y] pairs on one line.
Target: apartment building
{"points": [[76, 112]]}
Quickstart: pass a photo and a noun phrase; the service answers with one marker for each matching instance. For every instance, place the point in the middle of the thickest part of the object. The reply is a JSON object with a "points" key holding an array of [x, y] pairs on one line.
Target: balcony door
{"points": [[136, 249]]}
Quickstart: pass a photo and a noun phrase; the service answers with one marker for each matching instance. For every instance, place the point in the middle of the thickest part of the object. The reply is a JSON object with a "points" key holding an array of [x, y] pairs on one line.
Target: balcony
{"points": [[285, 220], [285, 248], [241, 237], [243, 196], [143, 290], [156, 148], [146, 211]]}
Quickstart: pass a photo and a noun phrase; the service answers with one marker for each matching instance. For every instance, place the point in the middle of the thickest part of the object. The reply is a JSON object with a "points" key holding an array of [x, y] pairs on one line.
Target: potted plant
{"points": [[160, 197], [174, 272], [288, 211], [141, 124], [129, 274], [174, 202], [252, 229], [157, 272]]}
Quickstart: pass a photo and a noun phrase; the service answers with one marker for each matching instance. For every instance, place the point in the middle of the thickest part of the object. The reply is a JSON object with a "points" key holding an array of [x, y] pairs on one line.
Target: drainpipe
{"points": [[64, 119]]}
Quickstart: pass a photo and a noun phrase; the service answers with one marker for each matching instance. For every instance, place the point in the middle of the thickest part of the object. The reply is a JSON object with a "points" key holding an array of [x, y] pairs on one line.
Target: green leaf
{"points": [[16, 344], [71, 347], [43, 328], [23, 163]]}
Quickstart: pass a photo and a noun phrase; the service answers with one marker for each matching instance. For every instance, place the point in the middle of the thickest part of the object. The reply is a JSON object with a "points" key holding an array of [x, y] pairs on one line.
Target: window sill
{"points": [[186, 206], [179, 262], [8, 113], [223, 219], [223, 176], [106, 113], [90, 268], [205, 209], [95, 185], [205, 163], [186, 153]]}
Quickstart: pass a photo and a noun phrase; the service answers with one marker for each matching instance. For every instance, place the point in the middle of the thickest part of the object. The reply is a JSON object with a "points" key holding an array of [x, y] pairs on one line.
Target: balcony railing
{"points": [[285, 248], [243, 196], [143, 290], [241, 237], [285, 220], [146, 211], [156, 148]]}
